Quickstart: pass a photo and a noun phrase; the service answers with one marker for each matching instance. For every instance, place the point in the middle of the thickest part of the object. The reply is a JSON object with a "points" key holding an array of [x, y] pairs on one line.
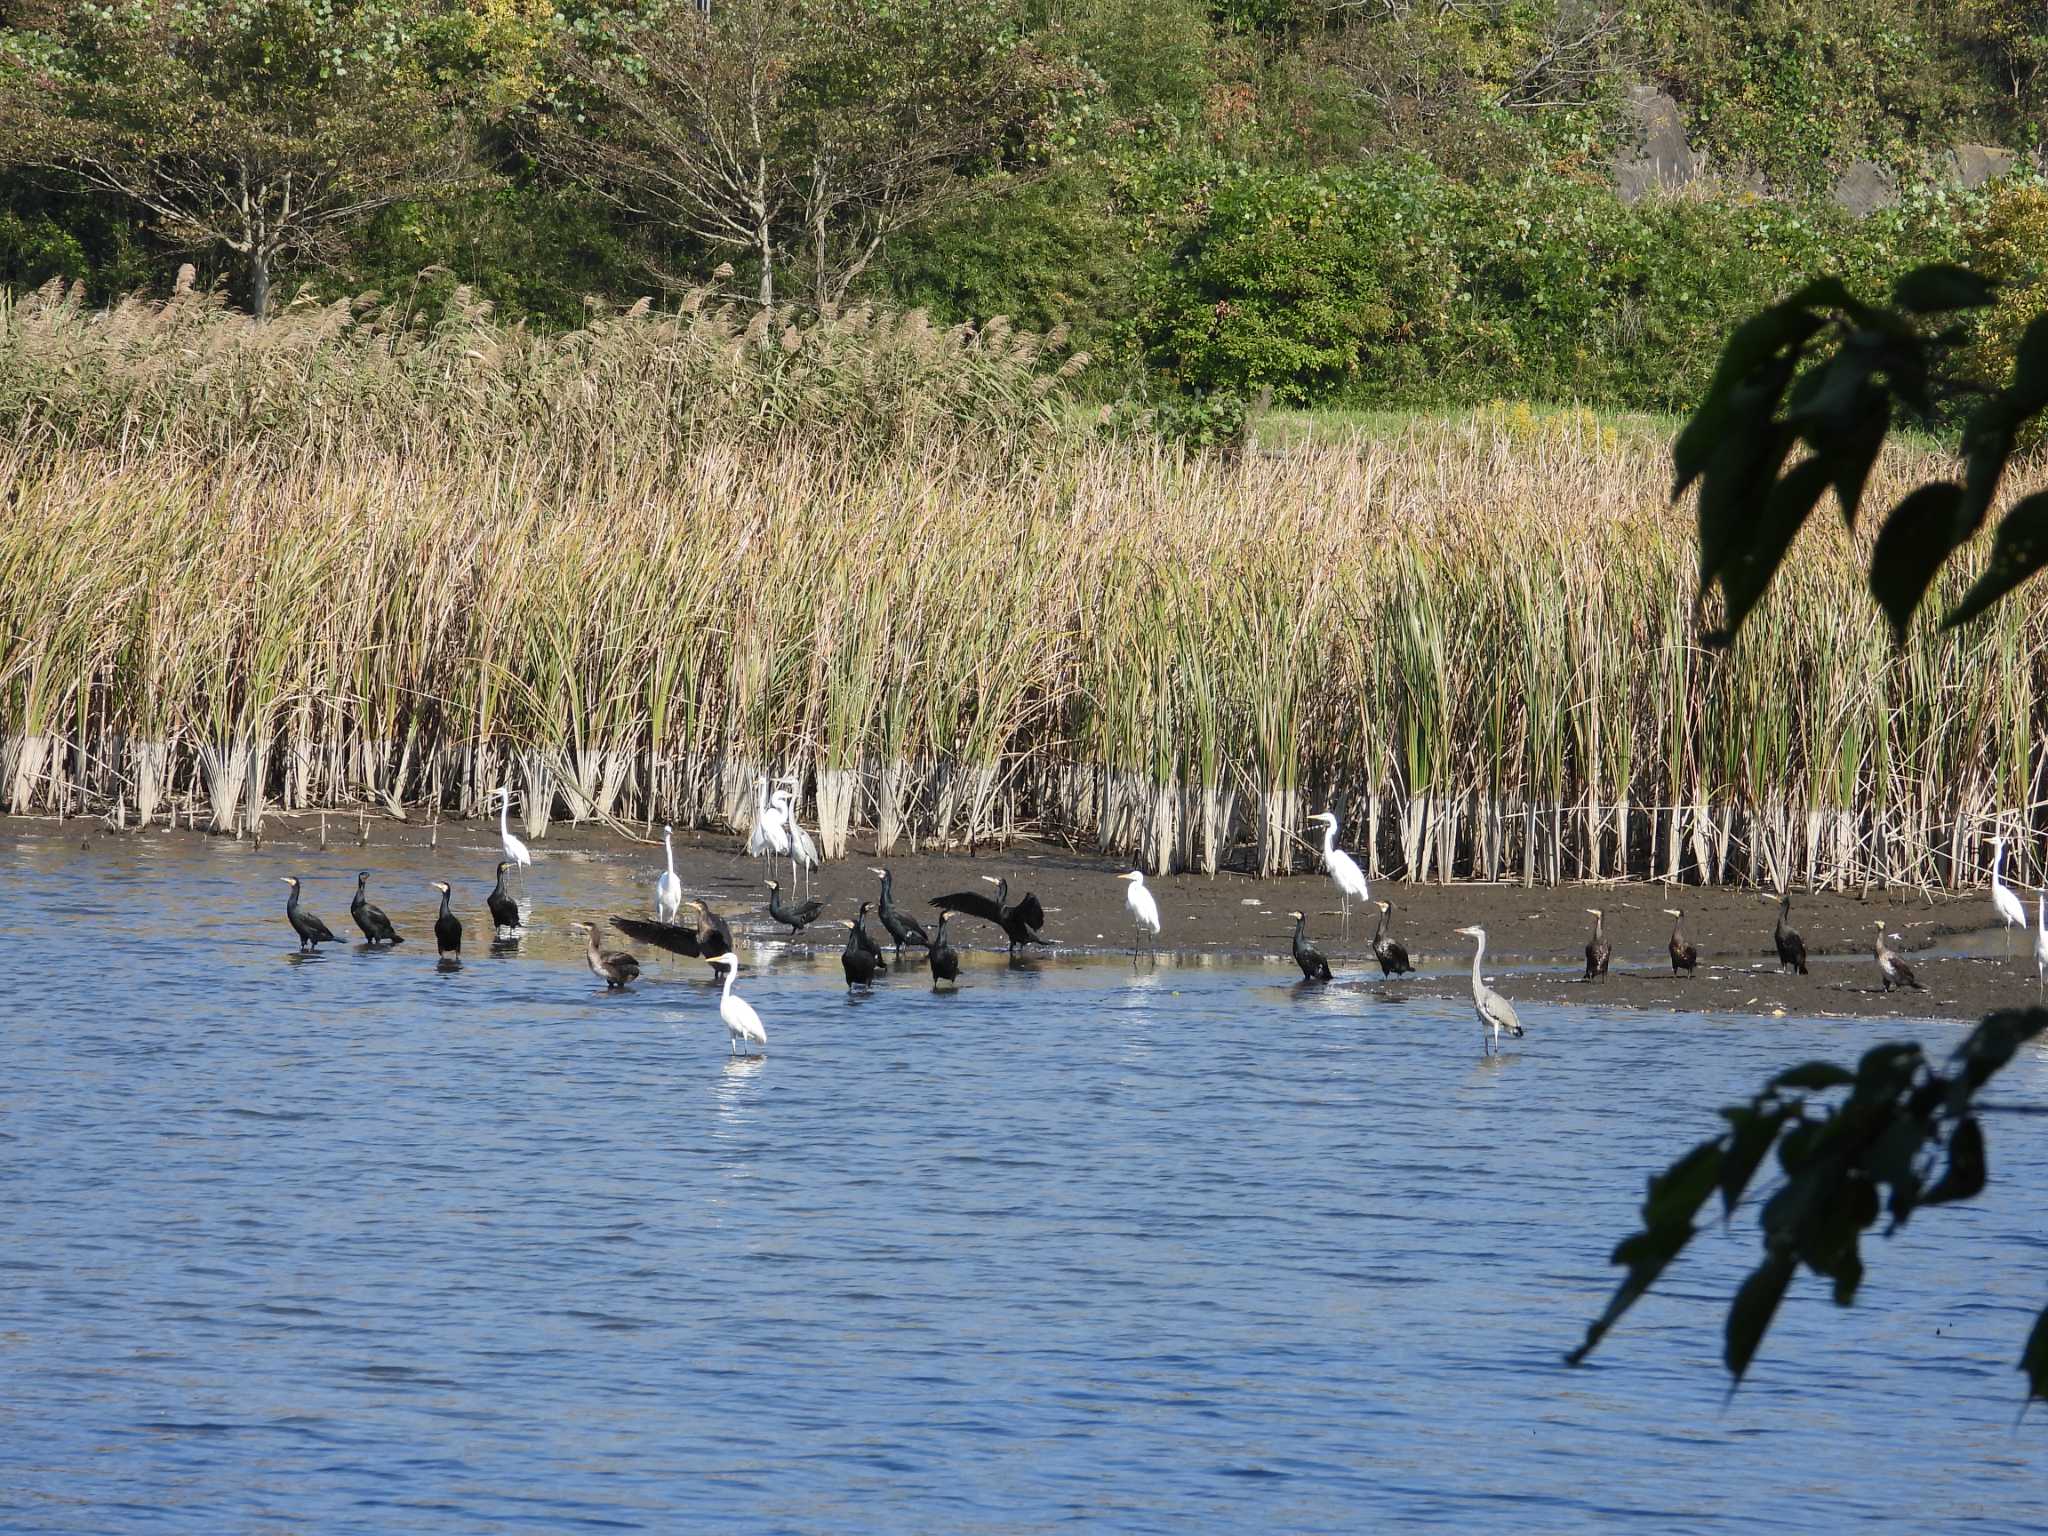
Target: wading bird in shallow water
{"points": [[860, 960], [2041, 944], [903, 928], [613, 967], [1313, 966], [1392, 954], [1598, 950], [447, 927], [770, 835], [1019, 920], [1495, 1012], [311, 931], [668, 889], [515, 850], [1343, 869], [376, 926], [795, 919], [1893, 971], [741, 1021], [1143, 909], [504, 910], [708, 938], [2012, 912], [1791, 947], [1685, 955], [940, 956]]}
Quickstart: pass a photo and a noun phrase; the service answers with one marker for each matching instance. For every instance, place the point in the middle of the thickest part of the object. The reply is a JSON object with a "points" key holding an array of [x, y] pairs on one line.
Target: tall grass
{"points": [[1475, 639]]}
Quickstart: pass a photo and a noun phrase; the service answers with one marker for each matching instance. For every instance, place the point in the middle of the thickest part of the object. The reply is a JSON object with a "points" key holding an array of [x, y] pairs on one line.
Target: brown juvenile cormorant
{"points": [[709, 938], [311, 931], [795, 919], [1685, 955], [861, 961], [613, 967], [376, 926], [945, 963], [1020, 921], [1598, 950], [1896, 972], [1313, 966], [1791, 947], [714, 933], [903, 928], [504, 910], [1391, 953], [447, 927]]}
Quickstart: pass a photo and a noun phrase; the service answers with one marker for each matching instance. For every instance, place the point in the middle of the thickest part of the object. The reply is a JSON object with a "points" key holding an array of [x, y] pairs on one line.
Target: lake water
{"points": [[357, 1244]]}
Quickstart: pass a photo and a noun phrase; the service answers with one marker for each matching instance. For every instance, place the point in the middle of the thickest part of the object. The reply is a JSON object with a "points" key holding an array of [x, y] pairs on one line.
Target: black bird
{"points": [[861, 961], [371, 919], [1791, 947], [861, 937], [1313, 966], [613, 967], [1020, 920], [1392, 954], [903, 928], [795, 919], [707, 939], [945, 963], [1896, 972], [714, 934], [1598, 950], [311, 931], [504, 910], [1685, 955], [447, 927]]}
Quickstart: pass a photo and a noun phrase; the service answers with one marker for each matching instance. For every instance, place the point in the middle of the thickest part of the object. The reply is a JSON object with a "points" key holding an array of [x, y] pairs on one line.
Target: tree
{"points": [[802, 133], [270, 128], [1829, 374]]}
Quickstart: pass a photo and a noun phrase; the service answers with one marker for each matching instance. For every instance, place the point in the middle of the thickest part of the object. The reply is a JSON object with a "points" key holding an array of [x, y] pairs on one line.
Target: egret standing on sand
{"points": [[1143, 909], [1598, 950], [741, 1021], [803, 852], [2041, 945], [770, 834], [1495, 1012], [515, 850], [1342, 867], [2004, 900], [668, 890]]}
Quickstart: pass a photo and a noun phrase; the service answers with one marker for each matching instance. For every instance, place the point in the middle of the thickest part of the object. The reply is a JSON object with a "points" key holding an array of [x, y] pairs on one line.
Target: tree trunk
{"points": [[259, 283]]}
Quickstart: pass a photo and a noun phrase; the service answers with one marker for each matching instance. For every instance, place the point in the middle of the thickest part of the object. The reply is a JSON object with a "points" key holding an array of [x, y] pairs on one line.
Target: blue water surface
{"points": [[355, 1243]]}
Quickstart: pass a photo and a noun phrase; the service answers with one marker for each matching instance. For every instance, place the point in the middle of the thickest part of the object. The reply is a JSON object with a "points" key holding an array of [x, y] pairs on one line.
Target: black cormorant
{"points": [[1791, 947], [1598, 950], [614, 967], [945, 963], [1313, 966], [714, 933], [370, 918], [861, 961], [1685, 955], [447, 927], [707, 939], [1392, 954], [903, 928], [795, 919], [504, 910], [311, 931], [1020, 921]]}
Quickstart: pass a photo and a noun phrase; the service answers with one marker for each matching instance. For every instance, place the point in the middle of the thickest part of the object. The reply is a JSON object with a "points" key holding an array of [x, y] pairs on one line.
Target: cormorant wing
{"points": [[673, 937], [1032, 913], [973, 904]]}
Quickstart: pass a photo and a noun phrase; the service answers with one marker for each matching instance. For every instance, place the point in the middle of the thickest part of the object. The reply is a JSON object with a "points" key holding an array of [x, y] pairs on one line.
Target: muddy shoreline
{"points": [[1536, 936]]}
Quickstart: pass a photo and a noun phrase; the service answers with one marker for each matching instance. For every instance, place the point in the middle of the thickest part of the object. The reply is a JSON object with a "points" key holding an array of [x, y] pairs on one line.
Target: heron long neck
{"points": [[505, 816], [668, 846], [1997, 858], [1479, 954], [730, 972], [1329, 837]]}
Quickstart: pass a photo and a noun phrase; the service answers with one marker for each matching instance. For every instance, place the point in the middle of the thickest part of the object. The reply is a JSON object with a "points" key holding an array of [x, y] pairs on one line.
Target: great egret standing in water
{"points": [[515, 850], [741, 1021], [2041, 946], [1495, 1012], [1143, 909], [668, 890], [1343, 868], [2004, 900]]}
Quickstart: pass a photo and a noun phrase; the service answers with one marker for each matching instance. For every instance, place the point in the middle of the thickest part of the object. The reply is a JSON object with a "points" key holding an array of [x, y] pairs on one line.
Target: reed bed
{"points": [[1474, 641]]}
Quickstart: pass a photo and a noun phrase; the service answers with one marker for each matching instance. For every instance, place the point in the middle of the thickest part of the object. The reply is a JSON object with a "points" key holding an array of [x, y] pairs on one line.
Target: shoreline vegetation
{"points": [[361, 555]]}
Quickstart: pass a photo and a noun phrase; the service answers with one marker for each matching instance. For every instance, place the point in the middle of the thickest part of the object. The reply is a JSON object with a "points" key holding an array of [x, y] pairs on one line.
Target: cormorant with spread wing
{"points": [[1020, 920]]}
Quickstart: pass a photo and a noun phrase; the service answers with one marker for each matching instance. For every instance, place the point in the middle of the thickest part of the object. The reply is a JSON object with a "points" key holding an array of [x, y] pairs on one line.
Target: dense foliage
{"points": [[1340, 201]]}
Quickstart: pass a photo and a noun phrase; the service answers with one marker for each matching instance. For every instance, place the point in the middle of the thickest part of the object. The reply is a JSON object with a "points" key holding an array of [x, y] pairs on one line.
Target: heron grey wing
{"points": [[1500, 1013]]}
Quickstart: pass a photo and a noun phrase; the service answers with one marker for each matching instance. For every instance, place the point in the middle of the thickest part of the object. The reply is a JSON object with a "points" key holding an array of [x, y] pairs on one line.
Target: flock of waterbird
{"points": [[777, 834]]}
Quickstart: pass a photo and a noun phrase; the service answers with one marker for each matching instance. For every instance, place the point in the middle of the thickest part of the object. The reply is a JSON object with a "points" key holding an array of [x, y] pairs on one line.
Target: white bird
{"points": [[803, 852], [668, 890], [1495, 1012], [2041, 945], [741, 1022], [2004, 900], [771, 826], [515, 850], [1342, 867], [1143, 909]]}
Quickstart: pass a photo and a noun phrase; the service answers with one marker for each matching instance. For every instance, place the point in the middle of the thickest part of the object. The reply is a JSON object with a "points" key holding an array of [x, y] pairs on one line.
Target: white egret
{"points": [[741, 1021], [2004, 900], [1143, 909], [770, 835], [668, 890], [1342, 867], [515, 850], [2041, 945], [803, 851], [1495, 1012]]}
